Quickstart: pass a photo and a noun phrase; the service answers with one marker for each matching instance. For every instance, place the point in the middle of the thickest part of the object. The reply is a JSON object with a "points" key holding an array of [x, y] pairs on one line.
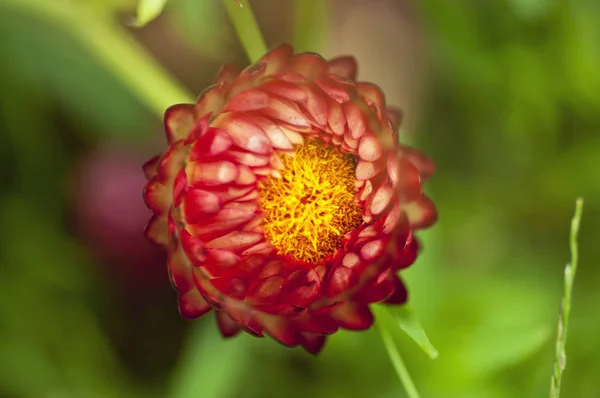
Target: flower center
{"points": [[311, 207]]}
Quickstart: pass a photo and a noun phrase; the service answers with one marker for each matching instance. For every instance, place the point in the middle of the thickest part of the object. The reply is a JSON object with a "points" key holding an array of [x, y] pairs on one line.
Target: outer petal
{"points": [[354, 316], [192, 304], [344, 67], [227, 325], [179, 120], [313, 343]]}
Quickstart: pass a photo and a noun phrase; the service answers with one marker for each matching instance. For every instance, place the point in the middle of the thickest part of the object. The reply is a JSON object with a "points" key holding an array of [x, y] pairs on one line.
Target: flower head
{"points": [[285, 200]]}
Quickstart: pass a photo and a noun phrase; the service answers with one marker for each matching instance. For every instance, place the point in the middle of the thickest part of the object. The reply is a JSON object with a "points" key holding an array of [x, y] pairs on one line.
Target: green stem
{"points": [[242, 18], [113, 46], [397, 361], [563, 320], [310, 24]]}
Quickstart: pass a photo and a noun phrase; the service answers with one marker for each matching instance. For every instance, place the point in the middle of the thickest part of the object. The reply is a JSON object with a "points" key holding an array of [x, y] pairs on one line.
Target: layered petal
{"points": [[207, 192]]}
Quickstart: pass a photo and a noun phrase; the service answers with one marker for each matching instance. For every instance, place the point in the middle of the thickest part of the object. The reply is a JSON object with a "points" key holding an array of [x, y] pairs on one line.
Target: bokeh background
{"points": [[503, 94]]}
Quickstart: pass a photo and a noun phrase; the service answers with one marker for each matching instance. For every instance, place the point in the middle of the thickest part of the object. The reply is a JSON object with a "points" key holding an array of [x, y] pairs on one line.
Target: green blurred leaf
{"points": [[148, 10], [409, 323], [111, 45], [493, 349], [52, 344], [203, 26], [210, 366]]}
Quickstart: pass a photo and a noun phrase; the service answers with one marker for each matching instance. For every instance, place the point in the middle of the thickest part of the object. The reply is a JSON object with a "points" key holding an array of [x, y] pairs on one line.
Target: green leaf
{"points": [[148, 10], [210, 366], [409, 323]]}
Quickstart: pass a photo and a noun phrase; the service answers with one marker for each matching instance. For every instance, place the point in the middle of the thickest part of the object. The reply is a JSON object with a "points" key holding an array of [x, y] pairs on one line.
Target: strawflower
{"points": [[285, 200]]}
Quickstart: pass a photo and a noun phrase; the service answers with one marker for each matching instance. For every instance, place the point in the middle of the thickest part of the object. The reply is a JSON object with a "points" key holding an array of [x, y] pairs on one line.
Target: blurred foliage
{"points": [[148, 10], [510, 117]]}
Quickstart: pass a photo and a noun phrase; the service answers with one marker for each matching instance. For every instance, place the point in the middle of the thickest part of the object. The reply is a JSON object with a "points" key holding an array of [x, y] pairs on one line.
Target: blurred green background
{"points": [[503, 94]]}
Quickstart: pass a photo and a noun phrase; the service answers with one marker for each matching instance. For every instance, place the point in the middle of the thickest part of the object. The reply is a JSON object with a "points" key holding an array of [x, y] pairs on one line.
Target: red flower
{"points": [[285, 201]]}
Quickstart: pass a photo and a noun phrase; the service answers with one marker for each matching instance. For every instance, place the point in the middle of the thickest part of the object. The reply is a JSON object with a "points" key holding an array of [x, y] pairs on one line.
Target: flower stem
{"points": [[242, 18], [563, 319], [397, 361]]}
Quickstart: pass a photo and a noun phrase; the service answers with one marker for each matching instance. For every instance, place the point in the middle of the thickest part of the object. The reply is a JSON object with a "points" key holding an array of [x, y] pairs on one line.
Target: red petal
{"points": [[281, 330], [337, 118], [381, 199], [211, 100], [356, 119], [404, 176], [317, 323], [170, 163], [394, 116], [353, 316], [316, 104], [343, 66], [212, 173], [244, 133], [248, 100], [287, 112], [179, 187], [227, 325], [366, 170], [224, 222], [227, 74], [408, 249], [289, 91], [192, 304], [372, 92], [400, 294], [340, 280], [180, 271], [219, 261], [213, 143], [236, 241], [313, 343], [277, 58], [156, 230], [179, 120], [266, 290], [194, 248], [150, 167], [370, 148], [422, 213], [333, 89], [198, 204], [371, 251], [303, 287], [423, 163], [199, 129], [157, 197], [277, 137], [392, 218], [351, 260], [380, 289], [309, 64], [230, 286]]}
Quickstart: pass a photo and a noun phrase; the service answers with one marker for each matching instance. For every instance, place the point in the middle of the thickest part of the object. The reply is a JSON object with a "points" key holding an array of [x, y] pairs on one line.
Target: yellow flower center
{"points": [[311, 207]]}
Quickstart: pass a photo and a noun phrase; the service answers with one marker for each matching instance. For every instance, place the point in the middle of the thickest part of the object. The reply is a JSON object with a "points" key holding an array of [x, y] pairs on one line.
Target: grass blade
{"points": [[563, 319]]}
